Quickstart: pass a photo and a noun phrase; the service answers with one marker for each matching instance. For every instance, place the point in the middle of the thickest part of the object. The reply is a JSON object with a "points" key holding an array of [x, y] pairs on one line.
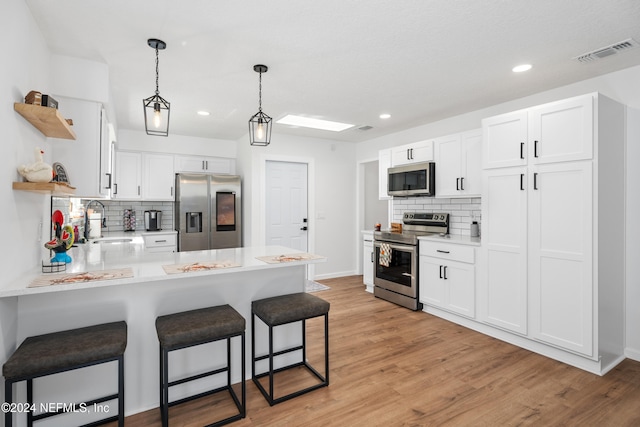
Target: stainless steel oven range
{"points": [[396, 257]]}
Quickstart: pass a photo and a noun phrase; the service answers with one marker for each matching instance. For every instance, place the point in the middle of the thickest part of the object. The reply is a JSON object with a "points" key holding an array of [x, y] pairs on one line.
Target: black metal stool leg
{"points": [[244, 382], [8, 397], [121, 391], [326, 348], [30, 402]]}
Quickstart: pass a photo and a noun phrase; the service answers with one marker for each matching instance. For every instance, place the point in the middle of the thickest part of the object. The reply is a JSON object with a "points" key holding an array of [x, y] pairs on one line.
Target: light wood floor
{"points": [[390, 366]]}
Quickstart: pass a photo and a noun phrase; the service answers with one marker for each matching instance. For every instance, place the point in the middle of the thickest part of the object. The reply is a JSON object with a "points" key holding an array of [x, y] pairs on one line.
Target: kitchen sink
{"points": [[113, 240]]}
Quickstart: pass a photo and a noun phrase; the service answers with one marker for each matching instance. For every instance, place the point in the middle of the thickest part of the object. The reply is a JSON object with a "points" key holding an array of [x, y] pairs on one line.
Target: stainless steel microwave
{"points": [[417, 179]]}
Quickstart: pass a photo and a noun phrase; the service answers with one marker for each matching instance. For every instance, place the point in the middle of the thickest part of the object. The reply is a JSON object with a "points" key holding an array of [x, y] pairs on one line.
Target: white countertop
{"points": [[452, 238], [147, 267]]}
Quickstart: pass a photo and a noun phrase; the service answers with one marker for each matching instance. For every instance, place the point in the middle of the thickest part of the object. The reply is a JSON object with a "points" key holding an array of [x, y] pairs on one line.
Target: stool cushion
{"points": [[199, 326], [59, 351], [289, 308]]}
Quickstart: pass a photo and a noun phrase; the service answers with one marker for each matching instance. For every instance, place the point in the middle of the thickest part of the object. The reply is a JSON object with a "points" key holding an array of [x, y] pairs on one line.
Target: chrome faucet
{"points": [[87, 225]]}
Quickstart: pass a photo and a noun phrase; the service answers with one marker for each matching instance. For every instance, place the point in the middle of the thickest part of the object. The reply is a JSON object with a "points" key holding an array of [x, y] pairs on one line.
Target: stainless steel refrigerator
{"points": [[208, 211]]}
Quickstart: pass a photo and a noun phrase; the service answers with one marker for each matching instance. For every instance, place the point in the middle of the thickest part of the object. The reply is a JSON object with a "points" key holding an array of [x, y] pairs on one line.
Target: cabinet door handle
{"points": [[206, 162], [445, 273], [442, 252], [371, 256], [522, 181], [441, 272], [462, 183], [522, 150], [115, 188], [535, 180], [172, 191], [108, 187], [138, 190], [457, 184], [535, 148]]}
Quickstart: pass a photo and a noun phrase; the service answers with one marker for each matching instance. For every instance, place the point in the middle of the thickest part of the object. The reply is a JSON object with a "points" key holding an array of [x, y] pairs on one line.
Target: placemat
{"points": [[277, 259], [198, 266], [91, 276]]}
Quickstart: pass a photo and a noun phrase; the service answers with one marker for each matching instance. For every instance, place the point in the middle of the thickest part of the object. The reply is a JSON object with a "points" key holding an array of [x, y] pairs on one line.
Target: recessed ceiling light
{"points": [[521, 68], [203, 113], [313, 123], [385, 116]]}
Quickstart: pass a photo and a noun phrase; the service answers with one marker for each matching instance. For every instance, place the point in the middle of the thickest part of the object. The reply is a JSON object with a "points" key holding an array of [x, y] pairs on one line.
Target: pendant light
{"points": [[260, 123], [156, 108]]}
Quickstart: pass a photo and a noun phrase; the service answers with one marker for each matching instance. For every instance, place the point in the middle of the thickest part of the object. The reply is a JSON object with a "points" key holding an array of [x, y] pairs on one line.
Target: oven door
{"points": [[401, 274]]}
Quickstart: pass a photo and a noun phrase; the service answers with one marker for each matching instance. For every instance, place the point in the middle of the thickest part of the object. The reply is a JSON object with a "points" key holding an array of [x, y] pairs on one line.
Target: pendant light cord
{"points": [[157, 72], [260, 93]]}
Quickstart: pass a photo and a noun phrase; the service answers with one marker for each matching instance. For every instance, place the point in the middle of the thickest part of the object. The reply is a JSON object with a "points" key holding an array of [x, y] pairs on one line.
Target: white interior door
{"points": [[286, 204]]}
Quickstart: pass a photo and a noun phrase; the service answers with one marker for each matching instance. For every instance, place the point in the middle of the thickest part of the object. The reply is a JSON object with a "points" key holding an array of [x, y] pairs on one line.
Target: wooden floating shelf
{"points": [[53, 188], [47, 120]]}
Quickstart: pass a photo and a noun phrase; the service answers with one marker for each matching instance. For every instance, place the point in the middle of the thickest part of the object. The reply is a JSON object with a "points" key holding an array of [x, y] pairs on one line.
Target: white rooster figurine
{"points": [[38, 171]]}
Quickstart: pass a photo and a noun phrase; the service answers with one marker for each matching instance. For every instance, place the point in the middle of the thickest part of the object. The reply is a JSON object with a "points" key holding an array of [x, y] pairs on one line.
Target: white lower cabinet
{"points": [[159, 241], [447, 277], [367, 260], [561, 254]]}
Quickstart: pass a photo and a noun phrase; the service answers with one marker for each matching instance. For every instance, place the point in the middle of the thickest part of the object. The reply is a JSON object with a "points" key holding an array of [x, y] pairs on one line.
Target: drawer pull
{"points": [[161, 241], [442, 252]]}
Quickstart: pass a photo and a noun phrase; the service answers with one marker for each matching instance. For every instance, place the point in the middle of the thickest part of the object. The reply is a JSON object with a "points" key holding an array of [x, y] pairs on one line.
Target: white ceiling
{"points": [[344, 60]]}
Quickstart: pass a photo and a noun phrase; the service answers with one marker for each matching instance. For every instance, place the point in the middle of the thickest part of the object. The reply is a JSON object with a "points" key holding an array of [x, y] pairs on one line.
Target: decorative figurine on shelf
{"points": [[38, 171], [63, 240]]}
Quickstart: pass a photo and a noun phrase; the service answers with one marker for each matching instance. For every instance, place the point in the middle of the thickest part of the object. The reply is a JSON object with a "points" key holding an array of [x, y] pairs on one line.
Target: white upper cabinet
{"points": [[562, 131], [221, 165], [416, 152], [384, 163], [127, 183], [158, 179], [459, 165], [555, 132], [87, 159], [505, 140]]}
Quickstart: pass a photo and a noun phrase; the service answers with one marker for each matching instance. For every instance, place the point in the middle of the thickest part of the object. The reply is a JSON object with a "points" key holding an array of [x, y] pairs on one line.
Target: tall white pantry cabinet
{"points": [[553, 230]]}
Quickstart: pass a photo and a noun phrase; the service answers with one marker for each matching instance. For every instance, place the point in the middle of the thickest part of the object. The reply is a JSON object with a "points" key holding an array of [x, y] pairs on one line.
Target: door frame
{"points": [[311, 206]]}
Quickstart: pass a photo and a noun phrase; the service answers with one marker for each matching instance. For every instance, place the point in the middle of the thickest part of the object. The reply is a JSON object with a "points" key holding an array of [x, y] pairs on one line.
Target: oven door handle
{"points": [[401, 248]]}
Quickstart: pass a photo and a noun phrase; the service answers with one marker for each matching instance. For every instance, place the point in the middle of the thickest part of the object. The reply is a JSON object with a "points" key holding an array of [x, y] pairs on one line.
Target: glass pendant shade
{"points": [[156, 108], [156, 115], [260, 123], [260, 129]]}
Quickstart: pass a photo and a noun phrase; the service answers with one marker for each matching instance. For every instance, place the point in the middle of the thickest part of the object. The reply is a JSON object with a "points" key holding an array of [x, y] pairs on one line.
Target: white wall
{"points": [[632, 297], [179, 144], [23, 70], [622, 86], [332, 201]]}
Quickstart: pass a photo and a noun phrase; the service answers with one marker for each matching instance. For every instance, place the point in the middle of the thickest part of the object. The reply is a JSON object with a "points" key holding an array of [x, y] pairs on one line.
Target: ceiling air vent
{"points": [[367, 127], [603, 52]]}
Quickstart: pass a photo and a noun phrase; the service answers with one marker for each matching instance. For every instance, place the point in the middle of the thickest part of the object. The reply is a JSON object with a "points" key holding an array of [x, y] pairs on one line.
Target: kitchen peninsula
{"points": [[153, 284]]}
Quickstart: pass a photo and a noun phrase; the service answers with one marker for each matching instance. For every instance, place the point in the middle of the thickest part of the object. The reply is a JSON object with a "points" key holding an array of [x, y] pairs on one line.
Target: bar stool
{"points": [[282, 310], [191, 328], [58, 352]]}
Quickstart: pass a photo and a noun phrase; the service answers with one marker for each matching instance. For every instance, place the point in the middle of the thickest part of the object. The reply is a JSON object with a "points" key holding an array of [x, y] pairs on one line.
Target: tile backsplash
{"points": [[114, 212], [73, 211], [462, 212]]}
